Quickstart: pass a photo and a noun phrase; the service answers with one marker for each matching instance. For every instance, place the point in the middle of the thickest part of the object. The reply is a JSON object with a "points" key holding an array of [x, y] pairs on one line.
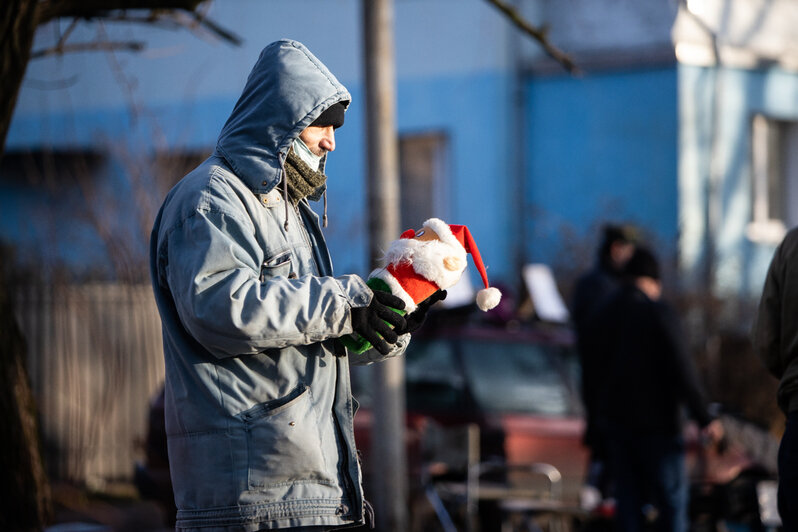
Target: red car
{"points": [[517, 384]]}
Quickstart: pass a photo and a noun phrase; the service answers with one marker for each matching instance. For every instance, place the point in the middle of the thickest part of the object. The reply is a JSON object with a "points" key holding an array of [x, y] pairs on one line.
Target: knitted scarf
{"points": [[302, 180]]}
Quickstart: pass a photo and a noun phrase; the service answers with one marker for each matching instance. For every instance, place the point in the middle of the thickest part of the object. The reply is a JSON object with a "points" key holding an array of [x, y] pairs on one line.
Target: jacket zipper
{"points": [[350, 490], [348, 481], [306, 237]]}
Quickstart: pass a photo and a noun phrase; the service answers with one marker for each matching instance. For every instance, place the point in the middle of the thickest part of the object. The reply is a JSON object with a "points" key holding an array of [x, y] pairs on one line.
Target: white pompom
{"points": [[487, 298]]}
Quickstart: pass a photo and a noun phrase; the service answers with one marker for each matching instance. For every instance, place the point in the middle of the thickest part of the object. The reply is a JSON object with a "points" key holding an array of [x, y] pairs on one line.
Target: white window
{"points": [[774, 190], [423, 168]]}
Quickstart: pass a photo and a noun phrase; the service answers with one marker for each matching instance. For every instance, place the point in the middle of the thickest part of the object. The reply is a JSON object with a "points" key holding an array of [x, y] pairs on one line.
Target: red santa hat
{"points": [[415, 280], [451, 234]]}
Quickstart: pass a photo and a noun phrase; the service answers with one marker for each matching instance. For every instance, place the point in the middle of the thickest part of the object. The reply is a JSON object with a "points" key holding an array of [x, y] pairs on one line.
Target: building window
{"points": [[423, 169], [774, 190]]}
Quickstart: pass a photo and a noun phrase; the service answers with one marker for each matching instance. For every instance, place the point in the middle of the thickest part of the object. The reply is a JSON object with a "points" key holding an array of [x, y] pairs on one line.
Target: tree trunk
{"points": [[17, 26], [25, 503]]}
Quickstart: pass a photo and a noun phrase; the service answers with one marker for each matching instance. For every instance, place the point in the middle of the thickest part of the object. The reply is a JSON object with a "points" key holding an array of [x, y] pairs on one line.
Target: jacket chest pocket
{"points": [[283, 442], [280, 265]]}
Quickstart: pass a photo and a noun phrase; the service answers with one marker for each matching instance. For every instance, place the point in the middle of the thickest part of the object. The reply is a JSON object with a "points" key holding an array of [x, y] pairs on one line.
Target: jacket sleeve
{"points": [[766, 331], [684, 370], [213, 272], [372, 355]]}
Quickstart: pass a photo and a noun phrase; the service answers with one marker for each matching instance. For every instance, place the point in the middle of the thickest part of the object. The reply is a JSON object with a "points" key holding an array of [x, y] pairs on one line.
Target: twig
{"points": [[88, 47], [62, 39], [538, 34], [219, 31], [51, 85], [51, 9], [171, 18]]}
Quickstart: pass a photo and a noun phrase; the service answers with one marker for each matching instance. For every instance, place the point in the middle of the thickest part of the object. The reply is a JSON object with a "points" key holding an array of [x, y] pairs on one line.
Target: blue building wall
{"points": [[600, 148], [471, 110], [452, 73], [740, 264], [594, 148]]}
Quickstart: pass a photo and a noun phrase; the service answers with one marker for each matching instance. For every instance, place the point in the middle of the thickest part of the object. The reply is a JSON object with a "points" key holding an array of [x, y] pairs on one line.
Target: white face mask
{"points": [[304, 153]]}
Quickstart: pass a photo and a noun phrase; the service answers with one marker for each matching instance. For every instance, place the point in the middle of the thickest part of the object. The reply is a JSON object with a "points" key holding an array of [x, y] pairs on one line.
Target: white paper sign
{"points": [[546, 299]]}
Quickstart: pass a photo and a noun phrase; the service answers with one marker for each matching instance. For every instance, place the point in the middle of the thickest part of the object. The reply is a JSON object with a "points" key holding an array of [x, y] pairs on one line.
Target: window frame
{"points": [[774, 178]]}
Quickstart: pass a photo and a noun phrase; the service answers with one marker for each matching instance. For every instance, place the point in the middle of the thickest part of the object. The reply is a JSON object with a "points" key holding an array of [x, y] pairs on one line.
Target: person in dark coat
{"points": [[650, 379], [775, 339], [592, 291]]}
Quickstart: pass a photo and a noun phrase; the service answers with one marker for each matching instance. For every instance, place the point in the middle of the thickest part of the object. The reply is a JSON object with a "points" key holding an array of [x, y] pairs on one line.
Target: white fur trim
{"points": [[400, 250], [396, 288], [443, 231], [428, 263], [427, 258], [488, 298]]}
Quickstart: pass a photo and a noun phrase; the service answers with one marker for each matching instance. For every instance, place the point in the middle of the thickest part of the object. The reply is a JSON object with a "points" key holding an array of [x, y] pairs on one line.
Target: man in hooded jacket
{"points": [[258, 405]]}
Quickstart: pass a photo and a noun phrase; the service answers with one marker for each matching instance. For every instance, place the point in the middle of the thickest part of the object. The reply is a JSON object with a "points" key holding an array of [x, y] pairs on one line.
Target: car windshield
{"points": [[433, 380], [450, 375], [446, 375], [517, 377]]}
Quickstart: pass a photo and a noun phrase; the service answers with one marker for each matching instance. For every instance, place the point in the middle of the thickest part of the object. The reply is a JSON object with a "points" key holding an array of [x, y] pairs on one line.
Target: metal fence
{"points": [[95, 360]]}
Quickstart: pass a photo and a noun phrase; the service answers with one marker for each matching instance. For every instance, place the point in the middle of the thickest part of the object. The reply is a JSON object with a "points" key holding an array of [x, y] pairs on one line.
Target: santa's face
{"points": [[432, 258], [426, 234]]}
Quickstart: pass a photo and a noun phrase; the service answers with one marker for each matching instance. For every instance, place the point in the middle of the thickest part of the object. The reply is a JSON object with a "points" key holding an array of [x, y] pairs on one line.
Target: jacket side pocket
{"points": [[283, 442]]}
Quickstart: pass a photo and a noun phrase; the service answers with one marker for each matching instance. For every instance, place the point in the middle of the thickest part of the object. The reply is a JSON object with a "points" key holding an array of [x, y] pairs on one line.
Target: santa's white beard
{"points": [[426, 257]]}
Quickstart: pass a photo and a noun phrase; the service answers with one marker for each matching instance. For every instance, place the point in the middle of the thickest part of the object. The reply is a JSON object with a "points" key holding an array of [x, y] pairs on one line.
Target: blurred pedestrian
{"points": [[775, 339], [592, 290], [258, 405], [650, 379]]}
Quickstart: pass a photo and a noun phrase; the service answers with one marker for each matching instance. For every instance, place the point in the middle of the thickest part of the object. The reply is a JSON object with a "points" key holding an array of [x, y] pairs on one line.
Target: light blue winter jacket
{"points": [[258, 406]]}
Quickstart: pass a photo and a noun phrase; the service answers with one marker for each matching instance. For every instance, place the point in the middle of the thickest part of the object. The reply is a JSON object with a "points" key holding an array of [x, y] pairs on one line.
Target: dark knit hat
{"points": [[332, 116], [619, 233], [642, 264], [614, 234]]}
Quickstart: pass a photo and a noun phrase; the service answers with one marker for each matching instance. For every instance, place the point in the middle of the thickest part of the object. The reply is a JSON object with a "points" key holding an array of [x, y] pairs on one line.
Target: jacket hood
{"points": [[287, 89]]}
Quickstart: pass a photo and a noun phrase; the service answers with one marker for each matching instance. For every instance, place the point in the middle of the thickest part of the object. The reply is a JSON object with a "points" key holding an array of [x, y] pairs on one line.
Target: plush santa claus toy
{"points": [[423, 261]]}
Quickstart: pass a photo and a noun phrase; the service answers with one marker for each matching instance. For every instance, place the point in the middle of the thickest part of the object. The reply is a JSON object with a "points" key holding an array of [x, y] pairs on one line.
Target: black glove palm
{"points": [[415, 319], [370, 322]]}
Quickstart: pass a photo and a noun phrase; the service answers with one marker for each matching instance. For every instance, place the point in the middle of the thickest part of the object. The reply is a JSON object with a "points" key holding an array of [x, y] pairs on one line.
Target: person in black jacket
{"points": [[591, 292], [775, 340], [650, 378]]}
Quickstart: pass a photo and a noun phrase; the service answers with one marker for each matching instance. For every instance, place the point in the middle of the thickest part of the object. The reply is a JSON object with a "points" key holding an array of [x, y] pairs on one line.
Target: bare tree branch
{"points": [[18, 26], [214, 28], [538, 34], [20, 18], [63, 38], [51, 9], [117, 10], [177, 19], [132, 46]]}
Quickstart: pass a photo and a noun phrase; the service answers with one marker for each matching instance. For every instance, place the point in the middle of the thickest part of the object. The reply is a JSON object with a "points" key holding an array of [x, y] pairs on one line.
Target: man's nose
{"points": [[327, 141]]}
